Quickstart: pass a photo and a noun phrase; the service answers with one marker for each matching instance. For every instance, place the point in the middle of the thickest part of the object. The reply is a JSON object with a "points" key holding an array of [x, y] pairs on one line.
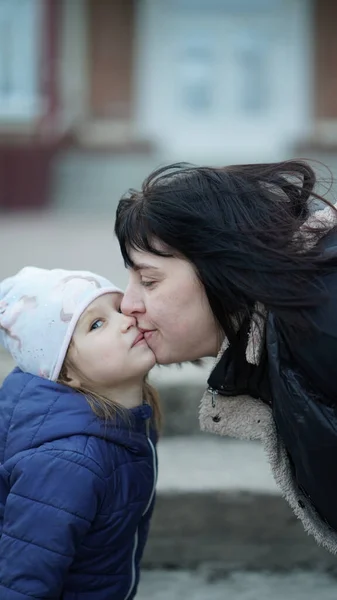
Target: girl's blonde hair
{"points": [[104, 407]]}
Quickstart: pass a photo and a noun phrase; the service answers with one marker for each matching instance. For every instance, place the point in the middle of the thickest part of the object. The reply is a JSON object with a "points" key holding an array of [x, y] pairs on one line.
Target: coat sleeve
{"points": [[317, 359], [315, 352], [53, 500]]}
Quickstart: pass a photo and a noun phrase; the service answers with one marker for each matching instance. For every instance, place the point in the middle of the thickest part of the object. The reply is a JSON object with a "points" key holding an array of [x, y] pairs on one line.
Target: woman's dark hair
{"points": [[241, 228]]}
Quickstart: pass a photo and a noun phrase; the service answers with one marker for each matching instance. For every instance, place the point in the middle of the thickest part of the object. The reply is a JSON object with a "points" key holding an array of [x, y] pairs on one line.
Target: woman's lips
{"points": [[148, 334]]}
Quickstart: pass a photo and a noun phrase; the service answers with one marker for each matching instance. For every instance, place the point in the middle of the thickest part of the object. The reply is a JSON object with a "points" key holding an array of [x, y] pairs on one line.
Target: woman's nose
{"points": [[131, 305]]}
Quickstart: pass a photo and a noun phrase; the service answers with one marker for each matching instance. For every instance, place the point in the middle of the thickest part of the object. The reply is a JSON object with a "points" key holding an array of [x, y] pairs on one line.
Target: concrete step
{"points": [[205, 585], [217, 503], [180, 390]]}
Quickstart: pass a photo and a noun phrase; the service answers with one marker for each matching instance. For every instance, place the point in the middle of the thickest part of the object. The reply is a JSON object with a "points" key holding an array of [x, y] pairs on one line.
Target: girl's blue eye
{"points": [[147, 283], [96, 324]]}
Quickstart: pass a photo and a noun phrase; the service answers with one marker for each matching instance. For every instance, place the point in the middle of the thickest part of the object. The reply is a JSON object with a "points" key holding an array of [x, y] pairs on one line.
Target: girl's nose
{"points": [[128, 322]]}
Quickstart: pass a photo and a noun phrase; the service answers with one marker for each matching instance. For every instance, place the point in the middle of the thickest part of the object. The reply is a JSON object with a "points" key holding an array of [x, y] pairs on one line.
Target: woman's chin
{"points": [[165, 355]]}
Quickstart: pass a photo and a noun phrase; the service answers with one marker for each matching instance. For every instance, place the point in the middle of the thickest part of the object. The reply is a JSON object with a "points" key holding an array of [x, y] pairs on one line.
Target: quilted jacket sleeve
{"points": [[53, 500]]}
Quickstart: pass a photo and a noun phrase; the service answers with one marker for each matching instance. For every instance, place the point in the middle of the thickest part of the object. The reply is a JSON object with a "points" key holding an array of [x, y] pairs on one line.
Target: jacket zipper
{"points": [[135, 545]]}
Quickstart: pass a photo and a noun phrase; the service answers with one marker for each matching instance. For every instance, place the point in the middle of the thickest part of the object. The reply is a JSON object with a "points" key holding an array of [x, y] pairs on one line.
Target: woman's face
{"points": [[171, 307]]}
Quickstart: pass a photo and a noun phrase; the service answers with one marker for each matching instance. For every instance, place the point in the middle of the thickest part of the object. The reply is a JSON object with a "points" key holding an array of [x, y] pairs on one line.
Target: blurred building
{"points": [[135, 82]]}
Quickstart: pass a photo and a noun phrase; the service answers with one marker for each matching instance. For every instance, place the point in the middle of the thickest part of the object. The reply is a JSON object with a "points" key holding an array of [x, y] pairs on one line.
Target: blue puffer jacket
{"points": [[76, 494]]}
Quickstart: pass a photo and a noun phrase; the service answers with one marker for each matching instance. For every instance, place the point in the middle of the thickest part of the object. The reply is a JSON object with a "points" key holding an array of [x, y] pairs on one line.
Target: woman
{"points": [[231, 262]]}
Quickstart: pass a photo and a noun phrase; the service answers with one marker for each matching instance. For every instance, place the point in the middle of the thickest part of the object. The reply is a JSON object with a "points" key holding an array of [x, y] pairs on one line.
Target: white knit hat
{"points": [[39, 310]]}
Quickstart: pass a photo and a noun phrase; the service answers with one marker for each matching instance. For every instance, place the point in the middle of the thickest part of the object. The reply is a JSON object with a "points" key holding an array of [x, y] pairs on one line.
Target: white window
{"points": [[234, 6], [196, 66], [19, 59], [251, 53]]}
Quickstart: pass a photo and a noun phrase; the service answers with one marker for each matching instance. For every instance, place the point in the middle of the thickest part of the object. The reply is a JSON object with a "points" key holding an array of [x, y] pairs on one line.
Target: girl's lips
{"points": [[138, 339]]}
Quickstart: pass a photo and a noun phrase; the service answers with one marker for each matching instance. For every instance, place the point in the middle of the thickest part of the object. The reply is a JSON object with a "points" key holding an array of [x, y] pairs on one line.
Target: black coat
{"points": [[297, 377]]}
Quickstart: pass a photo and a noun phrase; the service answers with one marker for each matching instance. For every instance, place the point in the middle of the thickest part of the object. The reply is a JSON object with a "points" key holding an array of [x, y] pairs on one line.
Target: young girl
{"points": [[78, 425]]}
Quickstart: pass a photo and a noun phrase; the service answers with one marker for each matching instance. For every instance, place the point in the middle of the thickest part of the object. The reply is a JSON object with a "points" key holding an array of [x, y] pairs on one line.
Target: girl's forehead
{"points": [[105, 300]]}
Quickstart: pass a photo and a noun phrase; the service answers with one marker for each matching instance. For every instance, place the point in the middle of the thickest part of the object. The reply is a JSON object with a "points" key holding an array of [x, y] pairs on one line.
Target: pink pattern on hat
{"points": [[70, 290], [11, 314]]}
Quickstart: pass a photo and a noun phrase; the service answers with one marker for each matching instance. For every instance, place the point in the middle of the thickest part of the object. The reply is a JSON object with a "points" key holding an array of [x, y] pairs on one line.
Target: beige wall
{"points": [[111, 37], [326, 59], [73, 64]]}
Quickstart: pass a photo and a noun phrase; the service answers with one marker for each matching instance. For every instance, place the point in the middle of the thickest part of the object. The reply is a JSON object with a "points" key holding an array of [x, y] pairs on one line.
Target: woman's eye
{"points": [[96, 324], [147, 283]]}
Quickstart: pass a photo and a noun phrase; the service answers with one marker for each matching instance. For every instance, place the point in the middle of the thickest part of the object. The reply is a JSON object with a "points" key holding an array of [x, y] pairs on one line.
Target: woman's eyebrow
{"points": [[143, 266]]}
